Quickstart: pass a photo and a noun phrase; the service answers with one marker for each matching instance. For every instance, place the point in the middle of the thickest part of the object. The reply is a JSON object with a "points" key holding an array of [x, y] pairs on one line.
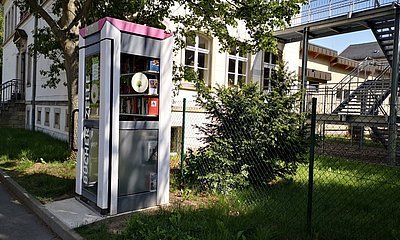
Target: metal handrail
{"points": [[318, 10], [328, 92], [360, 67], [378, 101], [11, 90]]}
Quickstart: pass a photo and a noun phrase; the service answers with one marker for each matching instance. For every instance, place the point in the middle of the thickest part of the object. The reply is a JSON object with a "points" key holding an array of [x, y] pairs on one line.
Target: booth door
{"points": [[91, 123]]}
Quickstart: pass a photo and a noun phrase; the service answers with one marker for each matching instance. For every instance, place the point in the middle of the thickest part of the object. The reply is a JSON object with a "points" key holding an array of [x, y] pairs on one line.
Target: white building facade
{"points": [[203, 55], [51, 104]]}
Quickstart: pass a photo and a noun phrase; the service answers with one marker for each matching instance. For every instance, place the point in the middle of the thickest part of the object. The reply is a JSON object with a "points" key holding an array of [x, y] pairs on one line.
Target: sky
{"points": [[340, 42]]}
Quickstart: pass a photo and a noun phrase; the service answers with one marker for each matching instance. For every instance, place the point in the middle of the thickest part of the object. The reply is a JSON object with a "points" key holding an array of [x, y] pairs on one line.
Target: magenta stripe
{"points": [[125, 26]]}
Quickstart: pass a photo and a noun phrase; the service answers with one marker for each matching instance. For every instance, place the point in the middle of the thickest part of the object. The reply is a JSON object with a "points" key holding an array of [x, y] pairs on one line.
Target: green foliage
{"points": [[215, 18], [252, 137]]}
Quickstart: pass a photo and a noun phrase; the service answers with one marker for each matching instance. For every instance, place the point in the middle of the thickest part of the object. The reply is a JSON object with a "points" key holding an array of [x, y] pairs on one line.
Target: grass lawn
{"points": [[38, 163], [352, 200]]}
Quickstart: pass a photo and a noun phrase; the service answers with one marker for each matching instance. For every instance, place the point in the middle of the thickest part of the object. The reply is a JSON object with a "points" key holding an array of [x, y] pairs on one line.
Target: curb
{"points": [[45, 215]]}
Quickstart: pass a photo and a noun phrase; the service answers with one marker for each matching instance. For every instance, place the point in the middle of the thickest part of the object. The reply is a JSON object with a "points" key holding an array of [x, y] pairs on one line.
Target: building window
{"points": [[15, 12], [47, 116], [57, 112], [10, 21], [313, 86], [29, 70], [197, 56], [28, 117], [237, 68], [268, 65], [39, 115], [5, 27], [66, 120], [176, 135], [8, 25]]}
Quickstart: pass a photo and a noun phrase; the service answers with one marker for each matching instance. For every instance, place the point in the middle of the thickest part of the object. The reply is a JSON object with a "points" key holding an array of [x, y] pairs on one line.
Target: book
{"points": [[153, 84], [154, 65], [145, 105], [153, 106]]}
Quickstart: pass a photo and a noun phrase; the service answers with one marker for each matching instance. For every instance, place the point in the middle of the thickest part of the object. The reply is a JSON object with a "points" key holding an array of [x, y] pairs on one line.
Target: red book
{"points": [[153, 106]]}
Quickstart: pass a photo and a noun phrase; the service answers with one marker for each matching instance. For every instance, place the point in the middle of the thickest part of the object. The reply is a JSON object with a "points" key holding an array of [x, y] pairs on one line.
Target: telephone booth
{"points": [[125, 84]]}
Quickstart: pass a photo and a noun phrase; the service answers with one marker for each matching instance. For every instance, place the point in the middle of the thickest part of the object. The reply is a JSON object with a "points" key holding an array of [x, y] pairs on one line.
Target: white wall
{"points": [[291, 56], [46, 98]]}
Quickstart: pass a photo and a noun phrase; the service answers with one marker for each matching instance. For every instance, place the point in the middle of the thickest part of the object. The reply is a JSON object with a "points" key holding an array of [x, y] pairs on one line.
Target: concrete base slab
{"points": [[73, 213]]}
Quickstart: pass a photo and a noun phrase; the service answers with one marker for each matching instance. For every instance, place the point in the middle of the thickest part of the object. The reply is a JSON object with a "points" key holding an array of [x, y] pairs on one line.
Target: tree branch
{"points": [[49, 20], [83, 12]]}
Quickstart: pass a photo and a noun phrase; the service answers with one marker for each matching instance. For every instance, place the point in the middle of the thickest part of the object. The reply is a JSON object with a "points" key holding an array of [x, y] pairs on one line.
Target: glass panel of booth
{"points": [[139, 87], [91, 123], [92, 87]]}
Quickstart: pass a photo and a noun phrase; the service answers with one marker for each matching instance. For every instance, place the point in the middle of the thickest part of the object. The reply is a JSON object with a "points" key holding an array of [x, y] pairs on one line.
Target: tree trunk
{"points": [[71, 63], [71, 68]]}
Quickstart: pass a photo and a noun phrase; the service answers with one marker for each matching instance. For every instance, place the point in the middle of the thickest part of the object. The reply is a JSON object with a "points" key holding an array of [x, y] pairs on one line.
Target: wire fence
{"points": [[356, 180], [351, 190]]}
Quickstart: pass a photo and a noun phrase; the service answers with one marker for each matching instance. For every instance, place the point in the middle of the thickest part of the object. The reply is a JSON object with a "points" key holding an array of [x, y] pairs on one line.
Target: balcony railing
{"points": [[318, 10], [11, 90]]}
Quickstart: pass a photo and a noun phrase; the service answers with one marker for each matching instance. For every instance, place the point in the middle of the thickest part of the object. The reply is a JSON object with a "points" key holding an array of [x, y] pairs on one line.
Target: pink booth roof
{"points": [[125, 26]]}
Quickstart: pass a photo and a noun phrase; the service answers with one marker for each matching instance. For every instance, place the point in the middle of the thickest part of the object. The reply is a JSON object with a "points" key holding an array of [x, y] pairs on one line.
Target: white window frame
{"points": [[57, 118], [237, 58], [271, 66], [47, 116], [39, 115], [196, 49]]}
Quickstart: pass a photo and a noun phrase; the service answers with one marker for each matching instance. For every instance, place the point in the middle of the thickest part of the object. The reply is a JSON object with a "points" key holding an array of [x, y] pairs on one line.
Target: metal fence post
{"points": [[311, 165], [304, 60], [183, 137], [394, 90]]}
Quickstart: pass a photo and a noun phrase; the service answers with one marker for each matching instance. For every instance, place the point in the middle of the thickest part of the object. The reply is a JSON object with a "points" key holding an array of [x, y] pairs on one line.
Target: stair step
{"points": [[383, 24], [385, 38], [388, 48], [384, 31]]}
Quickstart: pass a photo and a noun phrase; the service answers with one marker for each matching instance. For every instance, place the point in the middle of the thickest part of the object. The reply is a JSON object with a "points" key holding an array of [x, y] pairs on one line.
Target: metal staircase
{"points": [[368, 96], [383, 30]]}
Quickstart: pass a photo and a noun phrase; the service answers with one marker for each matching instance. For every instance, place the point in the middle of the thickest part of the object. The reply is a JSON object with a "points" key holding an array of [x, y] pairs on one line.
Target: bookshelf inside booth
{"points": [[139, 88]]}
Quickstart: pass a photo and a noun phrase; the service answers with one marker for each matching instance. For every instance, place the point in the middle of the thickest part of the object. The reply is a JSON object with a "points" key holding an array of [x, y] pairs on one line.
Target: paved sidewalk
{"points": [[73, 213], [17, 222]]}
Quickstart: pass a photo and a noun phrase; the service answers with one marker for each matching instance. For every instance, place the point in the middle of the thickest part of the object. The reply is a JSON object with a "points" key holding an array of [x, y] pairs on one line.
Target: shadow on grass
{"points": [[47, 187], [43, 186], [345, 206], [35, 146], [37, 162]]}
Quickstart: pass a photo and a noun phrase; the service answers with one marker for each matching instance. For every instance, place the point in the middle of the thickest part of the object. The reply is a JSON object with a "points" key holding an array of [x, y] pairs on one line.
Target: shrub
{"points": [[253, 137]]}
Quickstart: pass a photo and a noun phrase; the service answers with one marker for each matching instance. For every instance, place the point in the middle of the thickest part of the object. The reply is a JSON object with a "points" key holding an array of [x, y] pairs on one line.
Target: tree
{"points": [[59, 41], [251, 137]]}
